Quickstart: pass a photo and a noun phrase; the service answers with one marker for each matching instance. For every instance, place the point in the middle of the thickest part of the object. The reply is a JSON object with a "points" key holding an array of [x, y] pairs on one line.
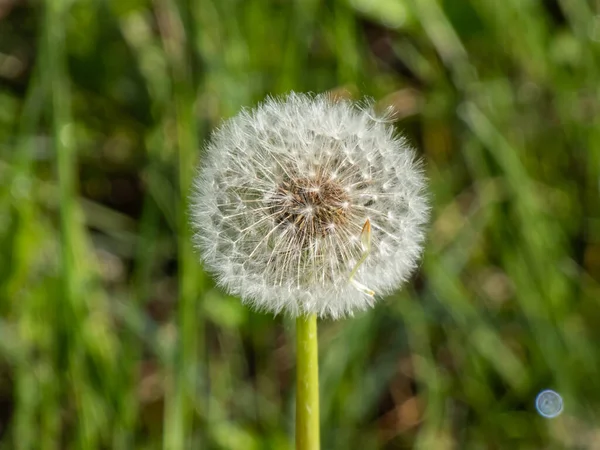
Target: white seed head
{"points": [[283, 195]]}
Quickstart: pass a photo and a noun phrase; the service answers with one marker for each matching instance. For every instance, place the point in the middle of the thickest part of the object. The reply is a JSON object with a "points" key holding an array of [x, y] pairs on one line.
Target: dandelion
{"points": [[309, 205]]}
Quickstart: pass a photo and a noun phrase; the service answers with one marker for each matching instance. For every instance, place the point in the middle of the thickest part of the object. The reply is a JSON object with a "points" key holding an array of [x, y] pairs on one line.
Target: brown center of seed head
{"points": [[314, 206]]}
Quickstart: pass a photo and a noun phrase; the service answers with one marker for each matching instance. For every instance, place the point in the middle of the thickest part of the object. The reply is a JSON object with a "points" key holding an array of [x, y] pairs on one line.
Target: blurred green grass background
{"points": [[111, 336]]}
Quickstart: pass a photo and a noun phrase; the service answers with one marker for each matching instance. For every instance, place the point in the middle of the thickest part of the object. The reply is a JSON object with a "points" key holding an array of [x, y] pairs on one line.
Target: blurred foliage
{"points": [[112, 337]]}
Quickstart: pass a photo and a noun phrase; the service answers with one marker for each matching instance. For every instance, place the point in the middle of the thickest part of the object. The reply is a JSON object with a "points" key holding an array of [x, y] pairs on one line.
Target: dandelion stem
{"points": [[307, 384]]}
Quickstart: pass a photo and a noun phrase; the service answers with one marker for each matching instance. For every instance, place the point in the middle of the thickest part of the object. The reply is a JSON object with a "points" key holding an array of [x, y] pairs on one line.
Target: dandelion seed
{"points": [[284, 195]]}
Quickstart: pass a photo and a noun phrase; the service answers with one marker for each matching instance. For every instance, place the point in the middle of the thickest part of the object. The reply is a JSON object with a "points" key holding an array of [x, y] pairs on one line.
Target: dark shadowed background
{"points": [[111, 336]]}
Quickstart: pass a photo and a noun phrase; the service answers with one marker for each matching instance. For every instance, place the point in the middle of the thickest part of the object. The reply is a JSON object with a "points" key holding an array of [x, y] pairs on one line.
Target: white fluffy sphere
{"points": [[283, 194]]}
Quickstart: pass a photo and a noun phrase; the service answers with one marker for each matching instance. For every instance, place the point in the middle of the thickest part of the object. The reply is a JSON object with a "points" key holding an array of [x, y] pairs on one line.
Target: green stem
{"points": [[181, 411], [53, 60], [307, 384]]}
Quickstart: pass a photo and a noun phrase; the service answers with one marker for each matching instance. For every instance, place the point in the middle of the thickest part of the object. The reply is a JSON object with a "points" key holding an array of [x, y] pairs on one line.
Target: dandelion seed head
{"points": [[283, 193]]}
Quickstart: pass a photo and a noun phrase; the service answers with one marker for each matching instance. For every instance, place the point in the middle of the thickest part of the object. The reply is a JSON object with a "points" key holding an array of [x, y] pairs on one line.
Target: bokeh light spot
{"points": [[549, 404]]}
